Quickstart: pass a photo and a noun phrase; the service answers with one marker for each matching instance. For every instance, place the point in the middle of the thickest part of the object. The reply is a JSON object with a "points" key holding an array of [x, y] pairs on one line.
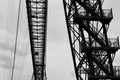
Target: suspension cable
{"points": [[15, 49]]}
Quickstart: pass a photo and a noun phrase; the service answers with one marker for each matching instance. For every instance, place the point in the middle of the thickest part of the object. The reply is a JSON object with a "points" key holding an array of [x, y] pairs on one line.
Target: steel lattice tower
{"points": [[37, 21], [92, 51]]}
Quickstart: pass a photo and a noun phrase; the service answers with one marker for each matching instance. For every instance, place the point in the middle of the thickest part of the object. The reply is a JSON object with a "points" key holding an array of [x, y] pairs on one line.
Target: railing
{"points": [[112, 42], [107, 13], [116, 70]]}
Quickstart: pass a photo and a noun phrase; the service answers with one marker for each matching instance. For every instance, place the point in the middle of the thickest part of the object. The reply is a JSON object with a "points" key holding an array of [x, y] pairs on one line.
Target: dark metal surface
{"points": [[92, 51], [37, 21]]}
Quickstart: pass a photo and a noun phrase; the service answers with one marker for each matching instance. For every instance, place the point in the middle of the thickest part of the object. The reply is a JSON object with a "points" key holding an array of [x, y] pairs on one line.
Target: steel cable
{"points": [[15, 49]]}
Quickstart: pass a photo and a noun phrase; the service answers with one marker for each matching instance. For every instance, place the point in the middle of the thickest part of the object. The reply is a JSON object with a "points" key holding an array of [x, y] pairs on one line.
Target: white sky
{"points": [[59, 59]]}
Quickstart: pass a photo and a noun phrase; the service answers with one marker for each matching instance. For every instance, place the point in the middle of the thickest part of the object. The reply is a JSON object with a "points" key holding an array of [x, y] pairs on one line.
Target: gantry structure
{"points": [[92, 51], [37, 21], [87, 23]]}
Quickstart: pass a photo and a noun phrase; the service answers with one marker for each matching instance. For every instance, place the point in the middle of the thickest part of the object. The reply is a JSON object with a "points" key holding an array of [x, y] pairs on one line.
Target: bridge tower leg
{"points": [[37, 22], [92, 51]]}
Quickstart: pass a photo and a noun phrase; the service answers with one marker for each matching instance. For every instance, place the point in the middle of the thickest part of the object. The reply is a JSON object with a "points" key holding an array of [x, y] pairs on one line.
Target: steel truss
{"points": [[37, 21], [92, 51]]}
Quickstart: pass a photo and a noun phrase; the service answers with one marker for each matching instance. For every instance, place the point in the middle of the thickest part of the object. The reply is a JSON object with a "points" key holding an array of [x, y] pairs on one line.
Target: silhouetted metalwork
{"points": [[37, 21], [92, 51]]}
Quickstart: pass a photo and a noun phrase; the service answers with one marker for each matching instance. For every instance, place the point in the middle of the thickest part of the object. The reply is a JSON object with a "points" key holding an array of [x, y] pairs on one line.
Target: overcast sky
{"points": [[59, 59]]}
